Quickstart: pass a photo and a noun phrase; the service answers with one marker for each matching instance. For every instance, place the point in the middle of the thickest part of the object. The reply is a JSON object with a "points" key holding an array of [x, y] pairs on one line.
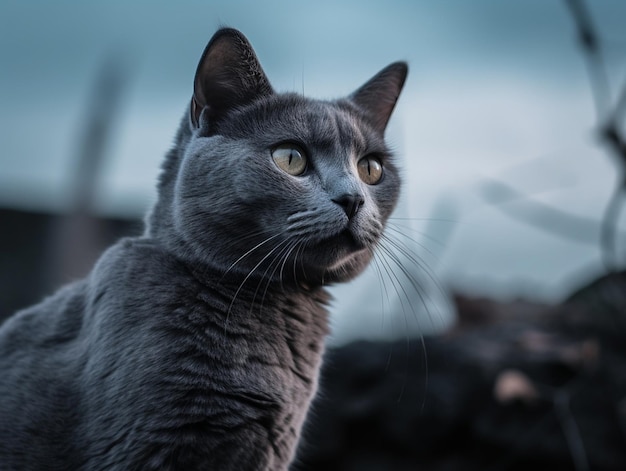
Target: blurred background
{"points": [[498, 130], [498, 93]]}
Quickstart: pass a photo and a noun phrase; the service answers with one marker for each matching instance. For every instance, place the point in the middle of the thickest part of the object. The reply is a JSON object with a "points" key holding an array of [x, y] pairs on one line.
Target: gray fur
{"points": [[198, 344]]}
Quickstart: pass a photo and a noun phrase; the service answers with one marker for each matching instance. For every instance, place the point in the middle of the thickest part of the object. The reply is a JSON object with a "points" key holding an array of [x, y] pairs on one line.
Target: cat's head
{"points": [[275, 185]]}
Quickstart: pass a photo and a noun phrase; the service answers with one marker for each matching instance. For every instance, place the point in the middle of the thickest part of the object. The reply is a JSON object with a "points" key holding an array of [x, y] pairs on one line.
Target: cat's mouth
{"points": [[340, 245], [347, 238], [337, 258]]}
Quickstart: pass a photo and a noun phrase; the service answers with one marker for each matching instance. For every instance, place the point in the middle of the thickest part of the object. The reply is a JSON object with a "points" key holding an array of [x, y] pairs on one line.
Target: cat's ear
{"points": [[229, 75], [379, 95]]}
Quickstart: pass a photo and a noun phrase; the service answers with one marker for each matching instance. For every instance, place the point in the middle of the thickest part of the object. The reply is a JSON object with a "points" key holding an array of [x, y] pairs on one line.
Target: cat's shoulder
{"points": [[136, 259], [139, 274], [56, 317]]}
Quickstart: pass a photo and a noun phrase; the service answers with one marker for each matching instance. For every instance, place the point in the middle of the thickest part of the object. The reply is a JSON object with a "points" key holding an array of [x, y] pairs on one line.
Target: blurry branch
{"points": [[76, 241], [620, 107], [590, 44], [571, 431], [608, 122], [100, 115], [540, 215]]}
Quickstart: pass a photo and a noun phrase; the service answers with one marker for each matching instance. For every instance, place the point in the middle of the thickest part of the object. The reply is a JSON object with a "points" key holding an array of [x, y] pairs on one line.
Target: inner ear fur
{"points": [[378, 96], [229, 75]]}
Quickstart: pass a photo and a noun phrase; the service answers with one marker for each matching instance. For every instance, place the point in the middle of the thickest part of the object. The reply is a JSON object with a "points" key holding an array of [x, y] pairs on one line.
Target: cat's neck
{"points": [[254, 286], [298, 311], [239, 296], [238, 275]]}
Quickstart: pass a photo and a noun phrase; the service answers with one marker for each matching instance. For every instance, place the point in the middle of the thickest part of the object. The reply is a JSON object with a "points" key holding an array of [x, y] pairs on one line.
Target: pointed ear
{"points": [[379, 95], [229, 75]]}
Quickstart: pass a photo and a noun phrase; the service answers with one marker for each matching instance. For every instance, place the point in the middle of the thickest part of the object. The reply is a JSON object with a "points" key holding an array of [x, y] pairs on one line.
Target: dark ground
{"points": [[515, 386]]}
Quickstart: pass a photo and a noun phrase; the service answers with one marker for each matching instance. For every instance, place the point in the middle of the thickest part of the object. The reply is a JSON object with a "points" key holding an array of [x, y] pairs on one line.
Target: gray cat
{"points": [[197, 346]]}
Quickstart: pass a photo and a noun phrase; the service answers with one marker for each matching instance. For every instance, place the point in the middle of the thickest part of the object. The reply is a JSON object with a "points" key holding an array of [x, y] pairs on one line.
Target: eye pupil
{"points": [[370, 170], [290, 159]]}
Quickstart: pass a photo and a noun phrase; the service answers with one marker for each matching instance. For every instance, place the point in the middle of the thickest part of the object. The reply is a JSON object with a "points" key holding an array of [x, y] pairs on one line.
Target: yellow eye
{"points": [[290, 158], [370, 170]]}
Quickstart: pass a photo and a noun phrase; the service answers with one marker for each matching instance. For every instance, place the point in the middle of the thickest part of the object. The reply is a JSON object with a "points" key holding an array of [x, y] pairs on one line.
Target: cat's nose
{"points": [[350, 203]]}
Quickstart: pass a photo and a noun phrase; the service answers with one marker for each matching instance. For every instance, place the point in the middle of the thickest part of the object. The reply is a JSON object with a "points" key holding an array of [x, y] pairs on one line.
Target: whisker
{"points": [[287, 251], [422, 246], [246, 279], [302, 270], [392, 276], [452, 221], [282, 268], [413, 257], [423, 234], [395, 282], [240, 239], [383, 289], [260, 244], [400, 290], [267, 279], [419, 288], [295, 262], [415, 316]]}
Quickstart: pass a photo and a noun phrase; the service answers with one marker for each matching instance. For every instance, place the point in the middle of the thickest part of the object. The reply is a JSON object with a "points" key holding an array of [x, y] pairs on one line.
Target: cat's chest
{"points": [[199, 366], [192, 331], [265, 358], [223, 369]]}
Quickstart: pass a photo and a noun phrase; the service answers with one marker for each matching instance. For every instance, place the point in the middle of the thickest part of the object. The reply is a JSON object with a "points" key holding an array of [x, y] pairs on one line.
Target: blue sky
{"points": [[497, 90]]}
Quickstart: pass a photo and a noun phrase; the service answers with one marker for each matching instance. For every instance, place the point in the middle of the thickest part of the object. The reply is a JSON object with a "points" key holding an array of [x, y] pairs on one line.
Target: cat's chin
{"points": [[338, 259], [347, 241]]}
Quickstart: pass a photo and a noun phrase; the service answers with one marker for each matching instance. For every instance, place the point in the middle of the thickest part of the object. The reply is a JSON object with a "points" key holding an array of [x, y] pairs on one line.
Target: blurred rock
{"points": [[514, 386]]}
